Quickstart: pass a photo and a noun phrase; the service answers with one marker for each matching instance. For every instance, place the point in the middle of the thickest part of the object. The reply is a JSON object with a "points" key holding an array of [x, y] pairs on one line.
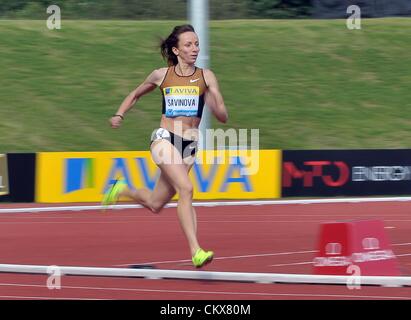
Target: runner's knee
{"points": [[156, 207], [186, 191]]}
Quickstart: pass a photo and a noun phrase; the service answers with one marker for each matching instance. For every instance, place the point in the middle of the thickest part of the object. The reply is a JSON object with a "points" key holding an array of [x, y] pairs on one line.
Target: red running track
{"points": [[267, 238]]}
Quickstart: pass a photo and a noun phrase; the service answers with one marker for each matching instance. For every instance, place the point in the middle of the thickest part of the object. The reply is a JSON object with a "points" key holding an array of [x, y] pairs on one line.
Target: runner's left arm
{"points": [[149, 84], [213, 97]]}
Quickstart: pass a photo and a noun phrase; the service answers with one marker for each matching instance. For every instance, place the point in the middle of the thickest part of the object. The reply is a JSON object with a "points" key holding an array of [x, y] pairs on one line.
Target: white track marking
{"points": [[310, 262], [239, 257], [208, 292], [290, 264], [209, 204], [402, 244], [138, 217], [168, 221], [46, 298], [220, 258]]}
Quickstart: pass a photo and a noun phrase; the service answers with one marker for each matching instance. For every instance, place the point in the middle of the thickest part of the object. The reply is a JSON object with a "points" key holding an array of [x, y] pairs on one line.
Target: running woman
{"points": [[185, 89]]}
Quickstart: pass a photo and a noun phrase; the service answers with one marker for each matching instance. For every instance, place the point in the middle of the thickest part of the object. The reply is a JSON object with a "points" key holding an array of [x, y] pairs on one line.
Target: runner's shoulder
{"points": [[209, 76], [157, 75], [161, 72]]}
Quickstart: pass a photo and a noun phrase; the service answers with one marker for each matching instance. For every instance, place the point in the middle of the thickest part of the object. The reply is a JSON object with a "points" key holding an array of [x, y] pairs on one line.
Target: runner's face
{"points": [[188, 47]]}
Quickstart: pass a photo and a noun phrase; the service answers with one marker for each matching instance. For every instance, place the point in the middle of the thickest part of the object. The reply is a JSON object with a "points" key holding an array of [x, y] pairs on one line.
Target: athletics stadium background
{"points": [[331, 103], [305, 84]]}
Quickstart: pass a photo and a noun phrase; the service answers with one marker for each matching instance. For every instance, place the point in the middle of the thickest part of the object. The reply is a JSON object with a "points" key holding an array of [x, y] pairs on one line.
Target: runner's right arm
{"points": [[151, 82]]}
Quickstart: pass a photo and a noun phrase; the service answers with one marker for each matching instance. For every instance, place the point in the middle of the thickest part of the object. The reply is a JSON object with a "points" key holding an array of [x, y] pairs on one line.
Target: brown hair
{"points": [[171, 41]]}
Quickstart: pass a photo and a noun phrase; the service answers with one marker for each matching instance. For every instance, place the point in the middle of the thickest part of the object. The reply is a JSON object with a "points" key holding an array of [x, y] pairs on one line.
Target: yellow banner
{"points": [[4, 180], [85, 176]]}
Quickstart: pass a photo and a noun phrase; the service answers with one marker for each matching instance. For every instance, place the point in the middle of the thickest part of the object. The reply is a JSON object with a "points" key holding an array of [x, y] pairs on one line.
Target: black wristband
{"points": [[118, 115]]}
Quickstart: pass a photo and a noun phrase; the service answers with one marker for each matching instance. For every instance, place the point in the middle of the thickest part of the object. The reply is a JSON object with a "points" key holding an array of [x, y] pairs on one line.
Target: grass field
{"points": [[305, 84]]}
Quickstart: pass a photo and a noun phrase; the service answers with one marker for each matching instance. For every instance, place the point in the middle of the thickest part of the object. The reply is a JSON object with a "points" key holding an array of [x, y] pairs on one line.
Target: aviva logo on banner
{"points": [[85, 176], [80, 174]]}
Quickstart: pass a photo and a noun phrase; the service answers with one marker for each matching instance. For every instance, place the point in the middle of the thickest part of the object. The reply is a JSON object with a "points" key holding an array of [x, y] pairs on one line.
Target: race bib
{"points": [[181, 101]]}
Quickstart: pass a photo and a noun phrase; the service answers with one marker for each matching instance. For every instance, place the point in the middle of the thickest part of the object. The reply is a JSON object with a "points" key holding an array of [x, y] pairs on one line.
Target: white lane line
{"points": [[332, 215], [70, 222], [208, 292], [46, 298], [168, 221], [209, 204], [219, 258], [238, 257], [153, 221], [161, 221], [290, 264], [227, 215], [402, 244], [310, 262]]}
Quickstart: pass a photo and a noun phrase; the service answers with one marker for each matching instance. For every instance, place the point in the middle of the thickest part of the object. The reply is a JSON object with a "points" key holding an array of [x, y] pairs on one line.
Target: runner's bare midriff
{"points": [[186, 127]]}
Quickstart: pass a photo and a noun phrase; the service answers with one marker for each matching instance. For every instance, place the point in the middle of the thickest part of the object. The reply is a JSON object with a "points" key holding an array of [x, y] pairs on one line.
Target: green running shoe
{"points": [[202, 257], [112, 194]]}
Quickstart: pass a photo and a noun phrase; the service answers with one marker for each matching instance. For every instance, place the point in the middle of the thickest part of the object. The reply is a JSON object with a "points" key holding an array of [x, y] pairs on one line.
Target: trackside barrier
{"points": [[207, 275], [4, 176], [17, 176], [328, 173], [206, 204], [362, 243], [67, 177]]}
